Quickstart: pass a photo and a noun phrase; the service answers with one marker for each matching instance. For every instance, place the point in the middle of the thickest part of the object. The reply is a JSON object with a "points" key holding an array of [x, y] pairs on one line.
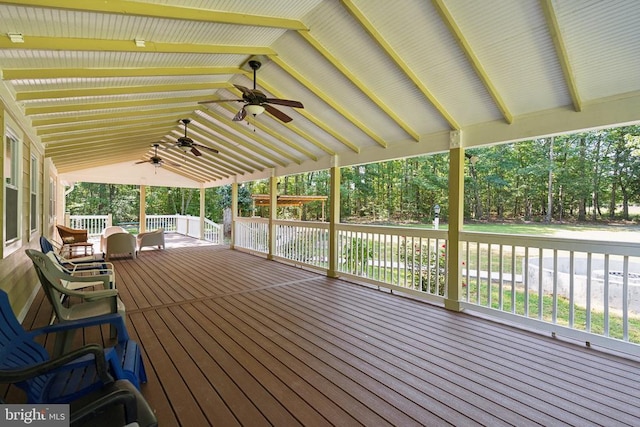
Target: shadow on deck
{"points": [[234, 339]]}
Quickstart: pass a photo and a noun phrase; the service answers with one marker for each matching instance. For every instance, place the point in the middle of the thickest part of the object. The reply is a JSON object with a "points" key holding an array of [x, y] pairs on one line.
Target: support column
{"points": [[143, 209], [456, 218], [334, 218], [202, 212], [273, 211], [234, 213]]}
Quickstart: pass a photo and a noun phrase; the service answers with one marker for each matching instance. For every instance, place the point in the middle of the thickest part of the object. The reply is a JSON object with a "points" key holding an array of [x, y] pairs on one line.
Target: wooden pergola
{"points": [[286, 200]]}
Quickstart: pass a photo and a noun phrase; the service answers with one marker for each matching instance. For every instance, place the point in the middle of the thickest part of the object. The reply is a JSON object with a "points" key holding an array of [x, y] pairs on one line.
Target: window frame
{"points": [[11, 134], [34, 195]]}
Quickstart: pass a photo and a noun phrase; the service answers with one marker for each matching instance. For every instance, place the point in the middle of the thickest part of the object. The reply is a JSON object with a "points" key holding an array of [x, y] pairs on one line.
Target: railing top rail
{"points": [[402, 231], [308, 224], [550, 242], [252, 219]]}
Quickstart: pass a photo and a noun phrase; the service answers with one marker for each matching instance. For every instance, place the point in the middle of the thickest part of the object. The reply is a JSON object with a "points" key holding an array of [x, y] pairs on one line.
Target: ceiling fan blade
{"points": [[213, 150], [244, 90], [195, 151], [277, 113], [220, 100], [286, 102], [141, 161], [240, 115]]}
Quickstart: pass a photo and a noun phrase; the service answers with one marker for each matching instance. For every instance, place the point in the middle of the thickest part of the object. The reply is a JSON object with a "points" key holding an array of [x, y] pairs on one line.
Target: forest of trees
{"points": [[579, 177]]}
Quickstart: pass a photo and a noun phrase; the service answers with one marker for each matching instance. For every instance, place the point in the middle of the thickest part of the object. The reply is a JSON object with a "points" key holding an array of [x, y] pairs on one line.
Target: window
{"points": [[12, 189], [52, 201], [34, 194]]}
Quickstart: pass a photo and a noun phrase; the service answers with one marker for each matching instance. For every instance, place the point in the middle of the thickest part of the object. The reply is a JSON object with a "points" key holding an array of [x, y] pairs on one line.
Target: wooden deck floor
{"points": [[234, 339]]}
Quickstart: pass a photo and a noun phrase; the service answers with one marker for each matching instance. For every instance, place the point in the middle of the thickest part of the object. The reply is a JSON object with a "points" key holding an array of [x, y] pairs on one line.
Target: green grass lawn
{"points": [[538, 229]]}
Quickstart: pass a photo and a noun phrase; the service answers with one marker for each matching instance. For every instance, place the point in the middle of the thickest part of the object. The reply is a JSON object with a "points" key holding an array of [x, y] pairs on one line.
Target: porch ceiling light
{"points": [[254, 109], [16, 37], [185, 147]]}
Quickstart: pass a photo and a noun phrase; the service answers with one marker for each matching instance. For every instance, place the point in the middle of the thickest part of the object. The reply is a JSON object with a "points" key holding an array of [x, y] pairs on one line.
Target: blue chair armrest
{"points": [[65, 362], [114, 319]]}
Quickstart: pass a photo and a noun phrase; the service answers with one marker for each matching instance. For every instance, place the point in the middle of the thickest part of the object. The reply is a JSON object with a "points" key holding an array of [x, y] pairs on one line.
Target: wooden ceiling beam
{"points": [[326, 128], [91, 106], [339, 65], [89, 134], [238, 127], [105, 125], [561, 52], [157, 10], [63, 120], [75, 44], [111, 91], [77, 73], [395, 57], [329, 101], [483, 75], [221, 135]]}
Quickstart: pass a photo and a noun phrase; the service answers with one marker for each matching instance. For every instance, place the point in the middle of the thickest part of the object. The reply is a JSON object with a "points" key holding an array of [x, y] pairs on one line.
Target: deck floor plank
{"points": [[234, 339], [478, 365]]}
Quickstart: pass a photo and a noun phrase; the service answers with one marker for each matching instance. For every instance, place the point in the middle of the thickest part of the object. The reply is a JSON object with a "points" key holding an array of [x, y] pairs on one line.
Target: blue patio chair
{"points": [[26, 363]]}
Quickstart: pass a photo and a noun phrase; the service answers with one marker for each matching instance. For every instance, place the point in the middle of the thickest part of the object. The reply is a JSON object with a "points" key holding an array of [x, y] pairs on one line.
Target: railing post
{"points": [[334, 219], [142, 227], [67, 219], [234, 213], [456, 216], [202, 205], [273, 211], [109, 220]]}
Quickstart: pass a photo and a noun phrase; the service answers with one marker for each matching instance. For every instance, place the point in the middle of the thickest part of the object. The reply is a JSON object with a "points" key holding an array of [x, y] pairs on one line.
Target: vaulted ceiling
{"points": [[98, 83]]}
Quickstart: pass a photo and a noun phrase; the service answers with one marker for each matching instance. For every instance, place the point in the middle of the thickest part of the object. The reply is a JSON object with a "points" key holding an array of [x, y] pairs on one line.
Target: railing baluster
{"points": [[625, 298], [513, 279], [501, 277], [572, 273], [606, 295]]}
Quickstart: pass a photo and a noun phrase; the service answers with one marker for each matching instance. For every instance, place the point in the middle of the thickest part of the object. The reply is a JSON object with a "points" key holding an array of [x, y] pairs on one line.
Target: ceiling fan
{"points": [[256, 102], [186, 144], [155, 160]]}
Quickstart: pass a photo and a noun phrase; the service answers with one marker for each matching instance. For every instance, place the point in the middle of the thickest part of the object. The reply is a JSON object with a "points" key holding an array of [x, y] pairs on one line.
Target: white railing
{"points": [[183, 224], [584, 289], [252, 234], [303, 242], [93, 223], [213, 232], [408, 259], [168, 222], [589, 290], [187, 225], [413, 260]]}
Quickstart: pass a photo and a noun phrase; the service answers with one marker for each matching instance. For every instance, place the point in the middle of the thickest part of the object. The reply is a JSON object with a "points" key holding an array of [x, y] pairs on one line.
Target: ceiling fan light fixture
{"points": [[254, 109], [184, 148]]}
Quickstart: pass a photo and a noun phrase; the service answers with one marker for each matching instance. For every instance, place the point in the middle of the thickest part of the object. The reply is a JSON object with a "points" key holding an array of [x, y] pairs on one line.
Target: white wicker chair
{"points": [[108, 232], [120, 244], [151, 238]]}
